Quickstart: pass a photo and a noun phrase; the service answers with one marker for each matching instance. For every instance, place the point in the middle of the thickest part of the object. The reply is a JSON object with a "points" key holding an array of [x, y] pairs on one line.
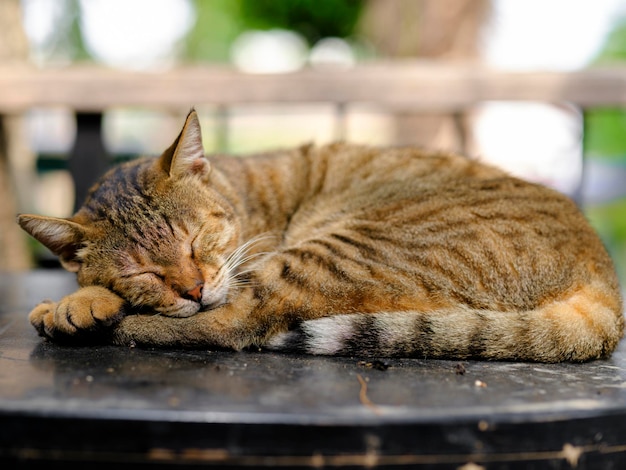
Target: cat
{"points": [[339, 249]]}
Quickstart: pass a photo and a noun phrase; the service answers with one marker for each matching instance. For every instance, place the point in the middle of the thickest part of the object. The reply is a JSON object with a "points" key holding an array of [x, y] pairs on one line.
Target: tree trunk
{"points": [[428, 29], [13, 48]]}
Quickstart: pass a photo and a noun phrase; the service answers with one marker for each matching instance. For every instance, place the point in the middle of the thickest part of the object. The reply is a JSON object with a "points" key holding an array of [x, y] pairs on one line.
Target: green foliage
{"points": [[610, 222], [605, 138], [605, 129], [74, 33], [219, 22], [314, 19], [605, 133], [614, 50]]}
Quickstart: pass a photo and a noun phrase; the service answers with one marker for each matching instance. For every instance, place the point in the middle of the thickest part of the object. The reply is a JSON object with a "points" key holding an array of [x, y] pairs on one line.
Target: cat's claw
{"points": [[86, 312]]}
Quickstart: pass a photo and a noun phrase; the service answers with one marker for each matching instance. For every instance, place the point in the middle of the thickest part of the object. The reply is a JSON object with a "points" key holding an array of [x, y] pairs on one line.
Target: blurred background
{"points": [[581, 155]]}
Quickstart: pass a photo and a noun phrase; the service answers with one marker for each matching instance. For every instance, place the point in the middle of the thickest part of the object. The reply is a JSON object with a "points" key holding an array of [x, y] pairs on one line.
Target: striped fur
{"points": [[339, 249]]}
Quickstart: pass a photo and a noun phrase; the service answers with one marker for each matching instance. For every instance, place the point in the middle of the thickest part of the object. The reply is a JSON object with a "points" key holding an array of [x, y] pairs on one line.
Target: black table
{"points": [[92, 407]]}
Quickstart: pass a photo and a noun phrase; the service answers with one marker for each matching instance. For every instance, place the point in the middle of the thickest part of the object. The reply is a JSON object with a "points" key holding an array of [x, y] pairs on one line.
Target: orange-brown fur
{"points": [[338, 249]]}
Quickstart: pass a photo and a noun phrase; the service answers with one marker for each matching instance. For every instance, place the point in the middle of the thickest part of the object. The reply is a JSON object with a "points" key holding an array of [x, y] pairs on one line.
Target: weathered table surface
{"points": [[102, 405]]}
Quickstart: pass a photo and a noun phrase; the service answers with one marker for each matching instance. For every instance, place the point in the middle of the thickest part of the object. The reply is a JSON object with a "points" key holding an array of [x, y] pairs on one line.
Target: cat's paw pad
{"points": [[89, 310], [42, 314]]}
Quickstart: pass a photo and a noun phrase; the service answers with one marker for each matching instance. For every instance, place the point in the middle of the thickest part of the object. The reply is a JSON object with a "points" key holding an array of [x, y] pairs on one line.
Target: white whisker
{"points": [[245, 259], [241, 256], [242, 273], [228, 272], [241, 284]]}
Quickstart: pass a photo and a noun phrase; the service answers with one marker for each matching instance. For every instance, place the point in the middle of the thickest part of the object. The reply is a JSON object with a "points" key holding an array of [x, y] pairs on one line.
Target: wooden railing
{"points": [[398, 87], [404, 86]]}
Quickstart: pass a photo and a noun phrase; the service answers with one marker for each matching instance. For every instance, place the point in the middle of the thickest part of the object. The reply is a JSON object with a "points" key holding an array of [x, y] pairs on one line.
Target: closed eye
{"points": [[205, 243], [198, 245], [194, 244], [148, 274], [159, 276]]}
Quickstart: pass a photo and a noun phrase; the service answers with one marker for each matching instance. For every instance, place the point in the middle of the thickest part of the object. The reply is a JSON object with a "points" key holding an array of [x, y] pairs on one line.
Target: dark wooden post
{"points": [[88, 159]]}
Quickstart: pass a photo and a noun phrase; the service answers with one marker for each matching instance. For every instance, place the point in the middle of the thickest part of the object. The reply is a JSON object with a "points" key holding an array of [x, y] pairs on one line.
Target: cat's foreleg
{"points": [[235, 325], [79, 316]]}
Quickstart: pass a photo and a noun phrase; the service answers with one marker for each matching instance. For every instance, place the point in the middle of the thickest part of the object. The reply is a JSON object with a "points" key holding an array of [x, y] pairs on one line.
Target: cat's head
{"points": [[154, 231]]}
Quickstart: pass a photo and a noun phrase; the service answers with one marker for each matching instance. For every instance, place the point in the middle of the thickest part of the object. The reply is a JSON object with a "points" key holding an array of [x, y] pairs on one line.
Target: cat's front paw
{"points": [[78, 316]]}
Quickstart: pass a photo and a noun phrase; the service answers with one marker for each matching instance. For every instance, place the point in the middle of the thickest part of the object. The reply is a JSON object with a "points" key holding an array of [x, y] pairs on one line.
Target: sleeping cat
{"points": [[338, 250]]}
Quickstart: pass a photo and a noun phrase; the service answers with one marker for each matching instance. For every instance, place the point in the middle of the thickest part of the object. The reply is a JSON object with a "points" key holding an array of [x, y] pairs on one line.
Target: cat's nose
{"points": [[194, 294]]}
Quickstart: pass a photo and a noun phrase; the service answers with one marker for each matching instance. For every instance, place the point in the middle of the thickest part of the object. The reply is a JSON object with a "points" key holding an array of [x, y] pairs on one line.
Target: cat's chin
{"points": [[213, 305], [191, 308], [187, 310], [213, 297]]}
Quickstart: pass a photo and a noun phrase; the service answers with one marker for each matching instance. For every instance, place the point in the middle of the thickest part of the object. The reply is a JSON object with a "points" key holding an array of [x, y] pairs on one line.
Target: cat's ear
{"points": [[62, 236], [185, 156]]}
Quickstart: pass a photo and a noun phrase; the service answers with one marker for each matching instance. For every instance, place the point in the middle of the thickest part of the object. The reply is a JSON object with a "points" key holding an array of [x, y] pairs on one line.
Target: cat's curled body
{"points": [[337, 249]]}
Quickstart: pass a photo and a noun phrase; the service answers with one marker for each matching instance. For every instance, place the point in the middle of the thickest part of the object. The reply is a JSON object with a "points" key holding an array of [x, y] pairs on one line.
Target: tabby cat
{"points": [[337, 250]]}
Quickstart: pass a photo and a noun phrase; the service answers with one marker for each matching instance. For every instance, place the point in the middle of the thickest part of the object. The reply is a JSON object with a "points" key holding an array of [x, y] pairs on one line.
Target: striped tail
{"points": [[587, 325]]}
